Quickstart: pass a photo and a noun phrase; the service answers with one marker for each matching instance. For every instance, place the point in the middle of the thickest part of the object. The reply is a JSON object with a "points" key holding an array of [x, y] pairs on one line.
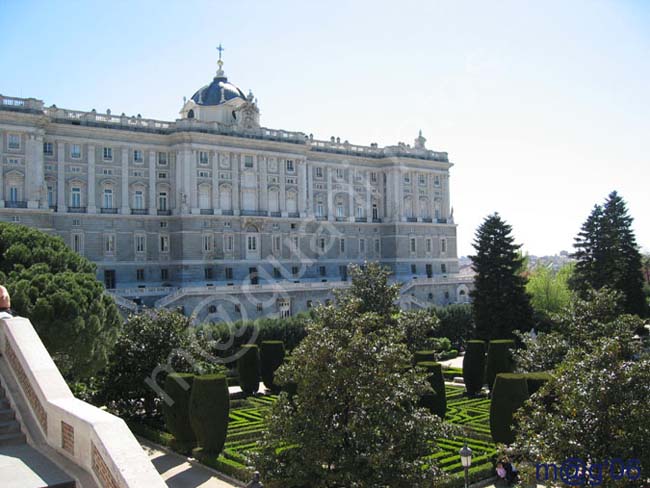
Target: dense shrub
{"points": [[436, 401], [445, 355], [422, 356], [536, 380], [474, 366], [248, 366], [509, 393], [499, 359], [441, 344], [178, 387], [271, 357], [209, 409], [456, 322]]}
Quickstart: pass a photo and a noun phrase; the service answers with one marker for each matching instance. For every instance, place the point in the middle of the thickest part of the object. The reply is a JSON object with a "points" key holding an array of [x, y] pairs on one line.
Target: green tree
{"points": [[57, 290], [500, 303], [549, 290], [152, 345], [355, 419], [607, 255]]}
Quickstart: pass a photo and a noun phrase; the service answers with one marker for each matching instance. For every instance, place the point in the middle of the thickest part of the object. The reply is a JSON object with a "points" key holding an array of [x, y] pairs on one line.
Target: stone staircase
{"points": [[10, 433], [22, 466]]}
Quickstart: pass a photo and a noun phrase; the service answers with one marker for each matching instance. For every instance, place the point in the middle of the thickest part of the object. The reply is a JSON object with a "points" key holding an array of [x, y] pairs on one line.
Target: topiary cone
{"points": [[509, 393], [437, 401], [271, 357], [499, 359], [209, 410], [248, 366], [178, 386], [474, 366]]}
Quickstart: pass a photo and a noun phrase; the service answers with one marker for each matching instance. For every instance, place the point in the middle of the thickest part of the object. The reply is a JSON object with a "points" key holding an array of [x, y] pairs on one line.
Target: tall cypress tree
{"points": [[607, 255], [500, 302]]}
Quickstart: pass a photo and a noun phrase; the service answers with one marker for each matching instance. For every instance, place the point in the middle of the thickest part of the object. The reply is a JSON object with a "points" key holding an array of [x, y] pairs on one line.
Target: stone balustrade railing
{"points": [[91, 438]]}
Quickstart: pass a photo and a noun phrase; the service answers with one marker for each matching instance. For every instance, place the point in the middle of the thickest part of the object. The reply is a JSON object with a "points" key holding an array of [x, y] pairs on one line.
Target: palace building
{"points": [[221, 216]]}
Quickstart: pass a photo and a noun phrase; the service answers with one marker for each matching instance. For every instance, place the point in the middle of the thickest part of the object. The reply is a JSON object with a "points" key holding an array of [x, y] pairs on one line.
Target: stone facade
{"points": [[177, 212]]}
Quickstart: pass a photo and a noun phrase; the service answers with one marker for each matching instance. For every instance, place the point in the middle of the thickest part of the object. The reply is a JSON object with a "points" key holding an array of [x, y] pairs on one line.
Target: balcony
{"points": [[411, 219], [15, 204], [427, 219], [441, 221], [53, 208], [376, 220], [206, 211], [139, 211], [361, 219], [77, 209], [341, 219], [321, 217], [108, 210], [275, 214], [254, 213], [164, 211], [227, 212], [294, 215]]}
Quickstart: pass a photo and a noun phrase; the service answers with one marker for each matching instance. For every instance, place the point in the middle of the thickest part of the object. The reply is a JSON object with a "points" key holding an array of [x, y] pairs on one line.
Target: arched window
{"points": [[292, 202], [225, 197], [204, 196], [274, 200], [190, 114]]}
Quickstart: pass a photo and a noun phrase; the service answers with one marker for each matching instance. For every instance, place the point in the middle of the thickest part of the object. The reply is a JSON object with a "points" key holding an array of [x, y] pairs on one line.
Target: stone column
{"points": [[235, 161], [330, 195], [302, 187], [351, 192], [125, 182], [215, 180], [262, 183], [368, 198], [311, 201], [34, 177], [283, 189], [194, 190], [152, 183], [446, 210], [60, 178], [177, 186], [399, 182], [92, 202]]}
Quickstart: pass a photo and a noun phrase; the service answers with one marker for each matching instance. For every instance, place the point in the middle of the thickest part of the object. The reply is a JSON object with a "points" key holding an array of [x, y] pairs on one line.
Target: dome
{"points": [[217, 92]]}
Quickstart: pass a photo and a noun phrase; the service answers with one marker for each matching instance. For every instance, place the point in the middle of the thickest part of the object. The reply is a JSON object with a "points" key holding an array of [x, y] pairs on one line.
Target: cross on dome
{"points": [[220, 62]]}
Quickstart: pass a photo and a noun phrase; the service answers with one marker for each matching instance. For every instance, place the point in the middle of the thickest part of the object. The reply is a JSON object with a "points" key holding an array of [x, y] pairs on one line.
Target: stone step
{"points": [[12, 438], [6, 414], [9, 426], [4, 404]]}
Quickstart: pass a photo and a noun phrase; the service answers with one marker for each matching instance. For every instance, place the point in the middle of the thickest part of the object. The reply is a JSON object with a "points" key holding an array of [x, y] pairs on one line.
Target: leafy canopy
{"points": [[355, 420], [57, 290]]}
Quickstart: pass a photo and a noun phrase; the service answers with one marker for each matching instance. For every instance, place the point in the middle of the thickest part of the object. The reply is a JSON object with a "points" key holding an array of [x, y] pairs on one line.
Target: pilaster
{"points": [[310, 189], [125, 181], [194, 190], [302, 187], [152, 183], [351, 175], [215, 180], [283, 189], [235, 161], [60, 178], [92, 207], [330, 195], [34, 178], [262, 183]]}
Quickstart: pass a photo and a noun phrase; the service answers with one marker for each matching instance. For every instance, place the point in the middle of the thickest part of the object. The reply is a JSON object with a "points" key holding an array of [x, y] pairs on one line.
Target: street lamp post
{"points": [[466, 461]]}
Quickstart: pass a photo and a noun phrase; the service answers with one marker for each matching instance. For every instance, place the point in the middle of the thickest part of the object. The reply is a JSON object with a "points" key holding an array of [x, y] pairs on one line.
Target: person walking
{"points": [[5, 304]]}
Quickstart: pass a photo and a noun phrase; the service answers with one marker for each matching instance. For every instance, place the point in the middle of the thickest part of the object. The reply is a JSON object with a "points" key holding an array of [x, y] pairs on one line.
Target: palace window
{"points": [[140, 243], [107, 171], [248, 161], [377, 246], [207, 273], [138, 199], [342, 245], [108, 154], [14, 141], [407, 178], [164, 274], [252, 243], [108, 198], [362, 246], [319, 172], [290, 166], [50, 196], [436, 180], [284, 307], [162, 200], [375, 212], [228, 243], [373, 177], [276, 272], [294, 271], [294, 240], [276, 244], [138, 157], [138, 173], [320, 209], [359, 212], [75, 197], [339, 173], [162, 175], [428, 245], [443, 268], [163, 224], [414, 269], [48, 148], [77, 243], [203, 157], [340, 211], [422, 180], [162, 159], [443, 246], [164, 243], [75, 151], [207, 243], [228, 272], [413, 245], [139, 274], [321, 244], [322, 270], [109, 244], [204, 174]]}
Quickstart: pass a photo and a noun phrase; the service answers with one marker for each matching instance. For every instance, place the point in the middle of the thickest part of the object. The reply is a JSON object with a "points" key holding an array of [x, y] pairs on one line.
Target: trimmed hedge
{"points": [[536, 380], [509, 393], [248, 367], [451, 354], [209, 410], [474, 366], [177, 415], [436, 402], [423, 356], [271, 357], [499, 359]]}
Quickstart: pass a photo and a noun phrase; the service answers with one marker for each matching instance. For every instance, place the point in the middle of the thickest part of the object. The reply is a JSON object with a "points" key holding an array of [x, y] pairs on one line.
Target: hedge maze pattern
{"points": [[247, 425]]}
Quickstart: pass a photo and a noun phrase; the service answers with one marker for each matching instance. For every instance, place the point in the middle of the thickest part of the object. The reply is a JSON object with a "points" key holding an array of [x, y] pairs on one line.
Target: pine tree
{"points": [[607, 255], [500, 302]]}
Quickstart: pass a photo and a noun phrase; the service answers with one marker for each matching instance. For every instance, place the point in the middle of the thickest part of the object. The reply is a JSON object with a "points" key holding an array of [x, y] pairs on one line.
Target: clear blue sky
{"points": [[544, 107]]}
